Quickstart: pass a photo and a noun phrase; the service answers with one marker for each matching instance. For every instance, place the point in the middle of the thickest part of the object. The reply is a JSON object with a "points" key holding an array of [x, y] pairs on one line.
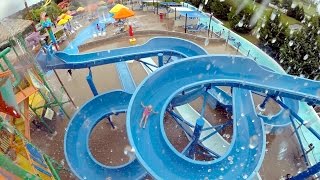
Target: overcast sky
{"points": [[8, 7]]}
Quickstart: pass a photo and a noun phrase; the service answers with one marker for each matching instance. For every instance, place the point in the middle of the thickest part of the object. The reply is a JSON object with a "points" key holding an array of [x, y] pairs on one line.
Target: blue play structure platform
{"points": [[199, 73]]}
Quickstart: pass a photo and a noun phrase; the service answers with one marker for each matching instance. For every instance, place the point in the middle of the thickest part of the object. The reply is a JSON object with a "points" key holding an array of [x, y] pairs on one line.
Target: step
{"points": [[38, 168]]}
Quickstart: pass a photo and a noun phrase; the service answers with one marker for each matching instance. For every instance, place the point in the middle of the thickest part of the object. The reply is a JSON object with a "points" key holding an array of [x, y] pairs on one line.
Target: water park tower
{"points": [[26, 99]]}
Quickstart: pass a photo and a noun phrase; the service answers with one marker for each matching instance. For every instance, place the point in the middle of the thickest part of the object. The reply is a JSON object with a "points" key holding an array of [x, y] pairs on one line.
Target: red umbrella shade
{"points": [[123, 13]]}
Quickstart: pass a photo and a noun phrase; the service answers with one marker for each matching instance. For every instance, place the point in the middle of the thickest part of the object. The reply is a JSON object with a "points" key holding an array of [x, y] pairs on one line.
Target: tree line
{"points": [[297, 51]]}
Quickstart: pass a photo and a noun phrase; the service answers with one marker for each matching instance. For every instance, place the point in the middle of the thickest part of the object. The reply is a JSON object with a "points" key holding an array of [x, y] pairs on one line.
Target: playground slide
{"points": [[76, 144], [247, 149]]}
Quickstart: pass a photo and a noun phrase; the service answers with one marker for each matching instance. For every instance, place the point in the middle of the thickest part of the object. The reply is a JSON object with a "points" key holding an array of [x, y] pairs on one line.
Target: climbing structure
{"points": [[25, 98]]}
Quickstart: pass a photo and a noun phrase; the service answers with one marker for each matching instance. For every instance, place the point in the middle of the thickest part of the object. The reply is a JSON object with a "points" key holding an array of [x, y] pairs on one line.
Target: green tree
{"points": [[299, 55], [296, 12], [286, 4], [241, 22], [221, 9], [196, 3], [76, 4], [300, 15], [272, 34], [53, 10], [275, 2]]}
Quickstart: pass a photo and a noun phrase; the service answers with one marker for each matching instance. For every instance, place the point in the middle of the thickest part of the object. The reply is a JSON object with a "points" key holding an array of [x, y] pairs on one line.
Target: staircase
{"points": [[5, 141]]}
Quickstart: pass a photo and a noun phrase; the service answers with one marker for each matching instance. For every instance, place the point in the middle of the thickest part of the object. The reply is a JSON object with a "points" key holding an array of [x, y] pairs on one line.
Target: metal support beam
{"points": [[146, 63], [173, 114], [65, 90], [187, 131], [308, 172], [160, 59], [295, 115], [300, 142], [264, 102], [196, 135], [216, 131], [110, 121], [169, 59]]}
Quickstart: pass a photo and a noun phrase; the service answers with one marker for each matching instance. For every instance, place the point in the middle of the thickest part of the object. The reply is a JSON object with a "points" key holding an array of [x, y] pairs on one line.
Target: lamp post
{"points": [[209, 24], [185, 24]]}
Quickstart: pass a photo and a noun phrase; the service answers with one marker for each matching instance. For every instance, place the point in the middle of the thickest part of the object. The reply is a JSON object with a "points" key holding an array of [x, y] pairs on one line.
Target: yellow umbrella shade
{"points": [[62, 22], [80, 9], [67, 17], [62, 16], [117, 8], [123, 13]]}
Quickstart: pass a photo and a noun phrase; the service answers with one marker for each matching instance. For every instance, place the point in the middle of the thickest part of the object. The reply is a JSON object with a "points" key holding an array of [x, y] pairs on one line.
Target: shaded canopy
{"points": [[80, 9], [62, 22], [117, 8], [9, 27], [123, 13]]}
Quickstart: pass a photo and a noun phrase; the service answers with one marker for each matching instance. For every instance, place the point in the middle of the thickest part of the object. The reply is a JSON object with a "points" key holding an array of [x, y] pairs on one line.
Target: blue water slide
{"points": [[125, 77], [81, 37], [167, 45], [76, 142], [177, 47], [280, 119], [152, 146]]}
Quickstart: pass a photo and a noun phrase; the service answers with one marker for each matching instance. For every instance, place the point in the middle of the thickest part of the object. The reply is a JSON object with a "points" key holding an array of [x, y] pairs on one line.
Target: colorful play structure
{"points": [[26, 98], [47, 24]]}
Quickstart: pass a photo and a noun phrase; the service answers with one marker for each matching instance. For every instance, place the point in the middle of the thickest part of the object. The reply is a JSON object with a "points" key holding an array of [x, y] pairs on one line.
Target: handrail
{"points": [[10, 66]]}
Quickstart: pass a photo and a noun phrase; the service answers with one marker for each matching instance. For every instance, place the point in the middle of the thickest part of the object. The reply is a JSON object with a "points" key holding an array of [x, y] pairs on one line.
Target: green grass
{"points": [[308, 9], [248, 36], [290, 20], [284, 18]]}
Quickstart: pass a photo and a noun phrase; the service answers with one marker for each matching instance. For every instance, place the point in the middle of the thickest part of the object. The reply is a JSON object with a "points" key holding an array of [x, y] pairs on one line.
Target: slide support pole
{"points": [[295, 115], [160, 59], [300, 142], [91, 85], [264, 102], [308, 172], [196, 136]]}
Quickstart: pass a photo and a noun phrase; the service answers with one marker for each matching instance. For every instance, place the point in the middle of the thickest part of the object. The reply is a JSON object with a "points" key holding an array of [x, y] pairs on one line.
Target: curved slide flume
{"points": [[170, 46], [76, 143], [167, 45], [154, 150]]}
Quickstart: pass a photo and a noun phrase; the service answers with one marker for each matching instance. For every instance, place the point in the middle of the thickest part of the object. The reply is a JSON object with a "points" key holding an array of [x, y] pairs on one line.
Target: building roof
{"points": [[170, 4], [11, 27]]}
